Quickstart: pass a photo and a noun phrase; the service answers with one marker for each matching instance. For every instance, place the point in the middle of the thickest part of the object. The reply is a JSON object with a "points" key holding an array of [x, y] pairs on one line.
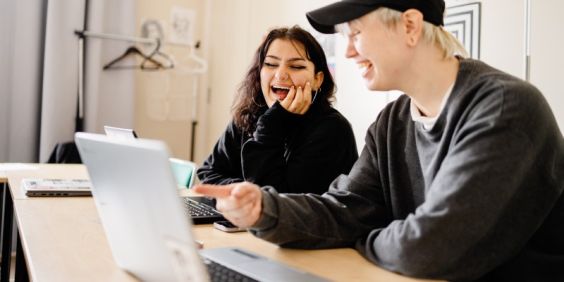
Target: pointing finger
{"points": [[215, 191]]}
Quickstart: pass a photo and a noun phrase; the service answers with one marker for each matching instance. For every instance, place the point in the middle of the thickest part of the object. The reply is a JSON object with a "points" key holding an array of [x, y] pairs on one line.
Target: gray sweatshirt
{"points": [[476, 197]]}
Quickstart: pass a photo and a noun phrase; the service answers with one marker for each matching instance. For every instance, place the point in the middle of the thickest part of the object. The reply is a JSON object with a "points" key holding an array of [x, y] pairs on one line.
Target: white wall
{"points": [[547, 44], [503, 35], [229, 56]]}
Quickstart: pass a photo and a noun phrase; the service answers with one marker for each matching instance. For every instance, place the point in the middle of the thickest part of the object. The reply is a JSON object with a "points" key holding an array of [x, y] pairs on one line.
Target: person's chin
{"points": [[371, 85], [270, 102]]}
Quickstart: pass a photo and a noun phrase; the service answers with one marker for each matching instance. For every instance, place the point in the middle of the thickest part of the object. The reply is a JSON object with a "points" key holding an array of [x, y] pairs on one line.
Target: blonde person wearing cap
{"points": [[461, 178]]}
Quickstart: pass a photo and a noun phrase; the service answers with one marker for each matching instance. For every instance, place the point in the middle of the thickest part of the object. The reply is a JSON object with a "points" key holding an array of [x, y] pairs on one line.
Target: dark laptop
{"points": [[202, 210]]}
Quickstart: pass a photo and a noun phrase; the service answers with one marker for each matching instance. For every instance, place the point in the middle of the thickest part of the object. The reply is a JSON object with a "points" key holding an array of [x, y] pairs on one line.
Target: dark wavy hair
{"points": [[249, 101]]}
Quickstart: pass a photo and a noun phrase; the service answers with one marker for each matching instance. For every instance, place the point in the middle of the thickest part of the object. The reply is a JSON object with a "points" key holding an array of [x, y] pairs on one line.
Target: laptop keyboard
{"points": [[197, 209], [219, 273]]}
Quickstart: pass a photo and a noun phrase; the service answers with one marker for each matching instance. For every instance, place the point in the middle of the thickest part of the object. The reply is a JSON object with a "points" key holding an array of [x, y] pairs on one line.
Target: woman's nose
{"points": [[281, 74]]}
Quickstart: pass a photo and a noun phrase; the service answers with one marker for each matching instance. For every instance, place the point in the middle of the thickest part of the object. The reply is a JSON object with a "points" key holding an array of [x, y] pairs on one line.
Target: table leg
{"points": [[7, 223], [21, 266]]}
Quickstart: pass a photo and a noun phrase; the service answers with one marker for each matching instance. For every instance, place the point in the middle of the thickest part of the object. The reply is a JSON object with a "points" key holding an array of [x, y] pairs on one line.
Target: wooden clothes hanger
{"points": [[169, 63], [134, 51]]}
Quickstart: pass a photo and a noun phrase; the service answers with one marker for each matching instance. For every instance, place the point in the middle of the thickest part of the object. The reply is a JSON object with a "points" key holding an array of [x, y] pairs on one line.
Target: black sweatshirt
{"points": [[487, 204], [294, 153]]}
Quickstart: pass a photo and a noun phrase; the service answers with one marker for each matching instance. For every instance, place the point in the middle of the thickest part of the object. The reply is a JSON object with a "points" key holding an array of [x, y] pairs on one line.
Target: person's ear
{"points": [[412, 22], [318, 80]]}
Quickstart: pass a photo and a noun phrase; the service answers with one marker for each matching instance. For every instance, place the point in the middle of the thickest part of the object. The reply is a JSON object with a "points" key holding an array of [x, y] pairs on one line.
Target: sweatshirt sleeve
{"points": [[348, 211], [318, 155], [495, 188], [223, 166]]}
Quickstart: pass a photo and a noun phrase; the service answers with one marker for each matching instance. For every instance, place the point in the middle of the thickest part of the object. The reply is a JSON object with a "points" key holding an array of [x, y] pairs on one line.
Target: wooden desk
{"points": [[63, 240]]}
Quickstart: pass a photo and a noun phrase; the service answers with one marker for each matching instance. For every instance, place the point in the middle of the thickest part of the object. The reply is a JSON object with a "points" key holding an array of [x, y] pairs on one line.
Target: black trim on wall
{"points": [[79, 121], [44, 5]]}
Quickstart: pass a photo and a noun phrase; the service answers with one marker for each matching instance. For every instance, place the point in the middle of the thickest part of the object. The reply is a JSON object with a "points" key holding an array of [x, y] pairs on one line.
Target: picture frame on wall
{"points": [[463, 21]]}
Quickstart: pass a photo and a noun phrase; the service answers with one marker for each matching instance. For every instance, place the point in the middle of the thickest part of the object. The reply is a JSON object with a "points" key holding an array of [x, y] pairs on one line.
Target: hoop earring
{"points": [[315, 95]]}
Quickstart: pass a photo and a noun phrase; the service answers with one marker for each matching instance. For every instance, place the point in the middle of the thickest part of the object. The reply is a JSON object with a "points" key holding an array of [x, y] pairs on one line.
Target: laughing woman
{"points": [[284, 131]]}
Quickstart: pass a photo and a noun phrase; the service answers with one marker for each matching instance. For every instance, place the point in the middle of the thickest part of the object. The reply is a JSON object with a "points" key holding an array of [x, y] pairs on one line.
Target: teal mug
{"points": [[184, 172]]}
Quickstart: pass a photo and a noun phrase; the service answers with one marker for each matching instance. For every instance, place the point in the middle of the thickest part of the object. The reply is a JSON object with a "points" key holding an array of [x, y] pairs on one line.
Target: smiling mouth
{"points": [[280, 91], [364, 67]]}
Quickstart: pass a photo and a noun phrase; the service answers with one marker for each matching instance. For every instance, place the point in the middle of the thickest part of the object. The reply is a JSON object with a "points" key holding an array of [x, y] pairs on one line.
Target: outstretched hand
{"points": [[298, 100], [239, 203]]}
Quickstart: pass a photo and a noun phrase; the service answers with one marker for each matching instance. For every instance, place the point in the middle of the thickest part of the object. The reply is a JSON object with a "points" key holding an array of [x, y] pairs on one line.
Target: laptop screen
{"points": [[137, 199]]}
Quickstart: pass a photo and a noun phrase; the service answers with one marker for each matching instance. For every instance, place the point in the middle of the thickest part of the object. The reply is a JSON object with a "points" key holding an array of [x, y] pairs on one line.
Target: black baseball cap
{"points": [[324, 19]]}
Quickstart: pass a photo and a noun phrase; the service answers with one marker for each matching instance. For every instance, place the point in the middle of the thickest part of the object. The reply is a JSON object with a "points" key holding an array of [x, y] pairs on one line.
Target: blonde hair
{"points": [[437, 35]]}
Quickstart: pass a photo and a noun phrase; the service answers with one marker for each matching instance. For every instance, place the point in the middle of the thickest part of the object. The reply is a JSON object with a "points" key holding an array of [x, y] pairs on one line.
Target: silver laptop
{"points": [[118, 132], [145, 224], [201, 209]]}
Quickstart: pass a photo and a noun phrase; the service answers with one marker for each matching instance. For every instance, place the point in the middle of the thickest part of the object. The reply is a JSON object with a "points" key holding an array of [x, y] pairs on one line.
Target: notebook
{"points": [[51, 187], [149, 234], [202, 210]]}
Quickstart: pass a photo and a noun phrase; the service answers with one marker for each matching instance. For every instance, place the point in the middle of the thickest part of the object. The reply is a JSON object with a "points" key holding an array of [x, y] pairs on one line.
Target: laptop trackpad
{"points": [[267, 270]]}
